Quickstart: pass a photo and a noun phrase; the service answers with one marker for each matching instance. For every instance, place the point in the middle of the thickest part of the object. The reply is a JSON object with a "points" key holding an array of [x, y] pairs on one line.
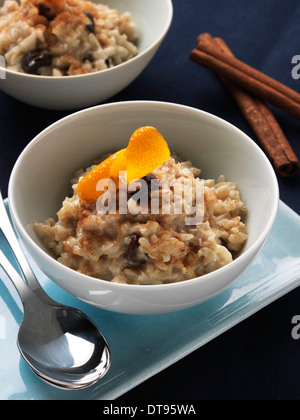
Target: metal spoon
{"points": [[60, 344]]}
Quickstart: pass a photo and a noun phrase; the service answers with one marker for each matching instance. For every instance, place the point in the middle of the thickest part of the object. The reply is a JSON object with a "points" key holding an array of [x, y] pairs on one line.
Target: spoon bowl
{"points": [[61, 345], [72, 353]]}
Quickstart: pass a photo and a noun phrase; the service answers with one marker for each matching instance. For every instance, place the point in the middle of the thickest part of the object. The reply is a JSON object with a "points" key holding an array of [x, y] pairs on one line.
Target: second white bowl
{"points": [[152, 18]]}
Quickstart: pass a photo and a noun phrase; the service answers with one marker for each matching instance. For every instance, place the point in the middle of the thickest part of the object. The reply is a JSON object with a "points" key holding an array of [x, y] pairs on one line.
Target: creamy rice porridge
{"points": [[64, 37], [149, 248]]}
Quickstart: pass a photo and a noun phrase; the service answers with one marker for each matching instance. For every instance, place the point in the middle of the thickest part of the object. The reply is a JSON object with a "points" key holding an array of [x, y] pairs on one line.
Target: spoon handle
{"points": [[8, 232], [18, 282]]}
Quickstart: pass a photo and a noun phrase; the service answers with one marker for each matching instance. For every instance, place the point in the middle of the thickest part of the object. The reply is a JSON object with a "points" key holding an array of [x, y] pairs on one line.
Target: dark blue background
{"points": [[258, 359]]}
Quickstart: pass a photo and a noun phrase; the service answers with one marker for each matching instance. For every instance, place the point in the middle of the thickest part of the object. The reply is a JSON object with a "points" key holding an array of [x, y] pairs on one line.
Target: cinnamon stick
{"points": [[264, 87], [264, 125]]}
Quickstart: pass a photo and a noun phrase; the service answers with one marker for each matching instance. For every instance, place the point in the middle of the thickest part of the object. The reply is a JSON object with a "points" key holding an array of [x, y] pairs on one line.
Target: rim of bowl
{"points": [[137, 287], [119, 66]]}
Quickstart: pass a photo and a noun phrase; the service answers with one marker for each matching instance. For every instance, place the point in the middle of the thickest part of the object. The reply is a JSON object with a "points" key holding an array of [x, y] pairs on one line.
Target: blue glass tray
{"points": [[142, 346]]}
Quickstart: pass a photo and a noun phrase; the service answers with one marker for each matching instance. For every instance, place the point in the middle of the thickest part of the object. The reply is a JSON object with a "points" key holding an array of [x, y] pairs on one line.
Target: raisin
{"points": [[148, 178], [223, 243], [109, 62], [151, 185], [90, 27], [35, 59], [135, 258], [46, 11]]}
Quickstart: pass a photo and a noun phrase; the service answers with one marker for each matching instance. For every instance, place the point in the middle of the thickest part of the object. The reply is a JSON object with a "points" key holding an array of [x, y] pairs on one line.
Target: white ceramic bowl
{"points": [[152, 18], [40, 181]]}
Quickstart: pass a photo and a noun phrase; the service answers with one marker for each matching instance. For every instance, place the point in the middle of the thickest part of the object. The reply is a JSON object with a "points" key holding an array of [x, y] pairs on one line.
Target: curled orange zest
{"points": [[146, 151], [87, 187]]}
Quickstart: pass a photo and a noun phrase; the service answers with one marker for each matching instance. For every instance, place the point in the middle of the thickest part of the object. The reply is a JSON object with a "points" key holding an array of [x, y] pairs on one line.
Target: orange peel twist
{"points": [[146, 151]]}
